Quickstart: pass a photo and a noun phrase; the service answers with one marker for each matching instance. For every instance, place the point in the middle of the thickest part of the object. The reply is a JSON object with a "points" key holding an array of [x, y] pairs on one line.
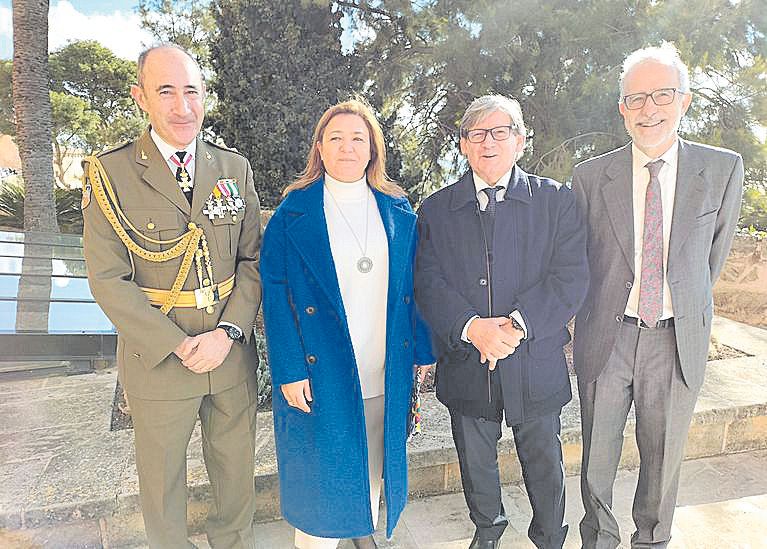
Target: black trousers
{"points": [[540, 453]]}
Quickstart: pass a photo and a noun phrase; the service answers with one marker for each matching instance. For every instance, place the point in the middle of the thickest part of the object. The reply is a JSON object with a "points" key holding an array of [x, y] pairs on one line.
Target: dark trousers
{"points": [[540, 453]]}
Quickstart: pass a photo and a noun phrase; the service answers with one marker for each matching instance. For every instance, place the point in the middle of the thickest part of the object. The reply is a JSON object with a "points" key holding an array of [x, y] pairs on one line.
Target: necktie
{"points": [[181, 160], [491, 200], [651, 281]]}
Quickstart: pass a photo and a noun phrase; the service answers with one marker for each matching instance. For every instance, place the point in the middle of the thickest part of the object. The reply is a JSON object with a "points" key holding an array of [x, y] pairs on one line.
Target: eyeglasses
{"points": [[662, 96], [478, 135]]}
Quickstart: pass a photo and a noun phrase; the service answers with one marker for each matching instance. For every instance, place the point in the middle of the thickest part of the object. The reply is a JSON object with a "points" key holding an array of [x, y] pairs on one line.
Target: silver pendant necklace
{"points": [[364, 263]]}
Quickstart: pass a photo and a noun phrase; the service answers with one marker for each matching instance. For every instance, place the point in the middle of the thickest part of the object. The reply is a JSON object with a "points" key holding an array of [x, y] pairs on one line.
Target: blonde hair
{"points": [[376, 168]]}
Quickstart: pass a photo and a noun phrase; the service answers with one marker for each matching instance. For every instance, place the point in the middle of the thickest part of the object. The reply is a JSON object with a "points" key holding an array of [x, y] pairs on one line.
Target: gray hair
{"points": [[665, 54], [160, 46], [484, 106]]}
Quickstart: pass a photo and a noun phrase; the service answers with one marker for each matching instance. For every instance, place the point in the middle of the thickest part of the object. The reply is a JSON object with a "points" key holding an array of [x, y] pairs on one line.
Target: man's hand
{"points": [[186, 348], [210, 350], [493, 339], [298, 394]]}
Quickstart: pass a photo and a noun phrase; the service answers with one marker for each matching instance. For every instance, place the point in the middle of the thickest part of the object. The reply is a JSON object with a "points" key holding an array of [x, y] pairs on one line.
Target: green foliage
{"points": [[6, 98], [753, 213], [68, 214], [278, 66], [263, 373], [187, 23], [562, 60], [96, 84]]}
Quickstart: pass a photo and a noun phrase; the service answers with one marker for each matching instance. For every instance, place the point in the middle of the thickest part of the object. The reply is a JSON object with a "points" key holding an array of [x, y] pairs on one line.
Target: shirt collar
{"points": [[502, 184], [670, 157], [167, 150]]}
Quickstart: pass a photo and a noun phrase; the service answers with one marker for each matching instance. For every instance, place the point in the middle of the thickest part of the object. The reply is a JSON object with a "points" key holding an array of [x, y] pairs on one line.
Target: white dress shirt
{"points": [[641, 179], [482, 200], [167, 151]]}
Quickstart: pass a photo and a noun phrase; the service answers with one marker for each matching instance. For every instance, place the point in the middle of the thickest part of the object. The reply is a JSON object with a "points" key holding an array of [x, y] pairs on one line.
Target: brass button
{"points": [[310, 310], [234, 218], [150, 226], [311, 359]]}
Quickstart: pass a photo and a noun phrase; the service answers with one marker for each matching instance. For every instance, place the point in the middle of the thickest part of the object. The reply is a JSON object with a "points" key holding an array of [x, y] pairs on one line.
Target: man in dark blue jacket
{"points": [[500, 270]]}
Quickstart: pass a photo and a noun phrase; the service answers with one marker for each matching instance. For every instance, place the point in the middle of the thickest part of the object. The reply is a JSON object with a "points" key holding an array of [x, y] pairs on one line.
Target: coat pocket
{"points": [[227, 234], [155, 225], [546, 366]]}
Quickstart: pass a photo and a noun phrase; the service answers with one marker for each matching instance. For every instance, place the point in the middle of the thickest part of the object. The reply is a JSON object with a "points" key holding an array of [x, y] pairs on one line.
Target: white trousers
{"points": [[374, 421]]}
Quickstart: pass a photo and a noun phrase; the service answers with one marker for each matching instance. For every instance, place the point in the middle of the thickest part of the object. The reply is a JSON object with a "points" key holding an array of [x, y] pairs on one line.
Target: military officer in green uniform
{"points": [[172, 235]]}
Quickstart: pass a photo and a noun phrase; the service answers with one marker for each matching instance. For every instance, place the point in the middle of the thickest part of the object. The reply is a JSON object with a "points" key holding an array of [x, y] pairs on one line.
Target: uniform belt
{"points": [[187, 298], [634, 321]]}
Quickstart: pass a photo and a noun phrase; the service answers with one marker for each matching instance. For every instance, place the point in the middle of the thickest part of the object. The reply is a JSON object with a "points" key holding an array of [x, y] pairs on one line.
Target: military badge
{"points": [[86, 198], [224, 199]]}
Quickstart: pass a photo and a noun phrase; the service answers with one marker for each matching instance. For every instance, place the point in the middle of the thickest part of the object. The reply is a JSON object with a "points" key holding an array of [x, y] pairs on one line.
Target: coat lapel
{"points": [[206, 174], [618, 195], [157, 174], [690, 192], [399, 224], [309, 234]]}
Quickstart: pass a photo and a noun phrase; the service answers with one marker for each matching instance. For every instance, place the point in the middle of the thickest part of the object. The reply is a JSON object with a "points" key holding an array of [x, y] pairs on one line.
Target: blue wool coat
{"points": [[322, 455]]}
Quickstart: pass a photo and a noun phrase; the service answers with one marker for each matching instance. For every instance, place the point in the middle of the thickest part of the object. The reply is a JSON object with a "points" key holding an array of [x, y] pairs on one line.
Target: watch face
{"points": [[232, 332]]}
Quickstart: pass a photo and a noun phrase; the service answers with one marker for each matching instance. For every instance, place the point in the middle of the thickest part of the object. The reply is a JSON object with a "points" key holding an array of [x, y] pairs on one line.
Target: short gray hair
{"points": [[665, 54], [484, 106], [161, 46]]}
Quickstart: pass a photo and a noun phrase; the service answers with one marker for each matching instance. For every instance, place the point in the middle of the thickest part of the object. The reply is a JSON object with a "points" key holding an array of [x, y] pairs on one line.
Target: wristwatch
{"points": [[233, 332], [517, 326]]}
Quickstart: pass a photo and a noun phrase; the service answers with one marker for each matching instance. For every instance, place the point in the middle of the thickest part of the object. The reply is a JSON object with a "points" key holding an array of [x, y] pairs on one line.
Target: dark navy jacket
{"points": [[539, 267]]}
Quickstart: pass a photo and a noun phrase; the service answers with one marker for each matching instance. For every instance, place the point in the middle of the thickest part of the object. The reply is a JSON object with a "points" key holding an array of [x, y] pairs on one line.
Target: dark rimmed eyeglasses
{"points": [[478, 135], [661, 97]]}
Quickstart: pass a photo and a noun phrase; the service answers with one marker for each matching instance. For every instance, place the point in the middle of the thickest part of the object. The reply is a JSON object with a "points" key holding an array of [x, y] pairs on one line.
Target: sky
{"points": [[114, 23]]}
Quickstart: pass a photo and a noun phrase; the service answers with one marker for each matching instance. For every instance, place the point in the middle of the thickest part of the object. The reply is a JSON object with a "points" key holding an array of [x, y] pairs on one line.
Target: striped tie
{"points": [[651, 282]]}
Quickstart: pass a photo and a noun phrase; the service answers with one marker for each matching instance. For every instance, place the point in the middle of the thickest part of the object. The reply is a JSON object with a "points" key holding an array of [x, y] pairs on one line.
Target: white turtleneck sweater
{"points": [[364, 295]]}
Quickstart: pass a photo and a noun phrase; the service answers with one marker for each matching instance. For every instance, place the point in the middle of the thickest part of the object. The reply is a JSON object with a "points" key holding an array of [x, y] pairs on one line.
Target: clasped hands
{"points": [[204, 352], [495, 338]]}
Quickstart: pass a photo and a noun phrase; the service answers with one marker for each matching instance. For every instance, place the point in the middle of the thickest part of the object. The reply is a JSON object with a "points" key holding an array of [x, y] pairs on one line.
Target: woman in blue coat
{"points": [[342, 334]]}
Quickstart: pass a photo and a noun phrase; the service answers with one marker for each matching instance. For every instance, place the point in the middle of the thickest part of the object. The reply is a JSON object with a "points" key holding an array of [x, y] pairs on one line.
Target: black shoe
{"points": [[477, 543], [365, 543]]}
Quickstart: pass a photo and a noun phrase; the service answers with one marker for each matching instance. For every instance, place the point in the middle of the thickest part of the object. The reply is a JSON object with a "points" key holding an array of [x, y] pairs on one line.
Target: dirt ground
{"points": [[741, 293]]}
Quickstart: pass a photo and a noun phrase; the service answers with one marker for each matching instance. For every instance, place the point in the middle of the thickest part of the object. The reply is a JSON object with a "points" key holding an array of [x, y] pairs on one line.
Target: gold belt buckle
{"points": [[206, 297]]}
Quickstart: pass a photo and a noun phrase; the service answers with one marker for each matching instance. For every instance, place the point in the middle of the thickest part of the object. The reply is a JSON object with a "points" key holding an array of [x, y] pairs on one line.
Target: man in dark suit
{"points": [[500, 269], [661, 215]]}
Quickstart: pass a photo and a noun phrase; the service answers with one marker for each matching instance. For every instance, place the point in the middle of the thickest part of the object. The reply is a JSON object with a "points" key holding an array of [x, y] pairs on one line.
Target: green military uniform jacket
{"points": [[151, 198]]}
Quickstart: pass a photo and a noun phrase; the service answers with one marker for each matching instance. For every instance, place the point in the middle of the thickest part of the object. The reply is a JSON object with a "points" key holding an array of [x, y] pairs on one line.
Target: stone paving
{"points": [[64, 475], [722, 505]]}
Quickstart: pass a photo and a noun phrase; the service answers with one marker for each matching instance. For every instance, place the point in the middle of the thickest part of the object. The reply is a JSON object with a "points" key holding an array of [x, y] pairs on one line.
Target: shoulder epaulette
{"points": [[222, 147], [114, 149]]}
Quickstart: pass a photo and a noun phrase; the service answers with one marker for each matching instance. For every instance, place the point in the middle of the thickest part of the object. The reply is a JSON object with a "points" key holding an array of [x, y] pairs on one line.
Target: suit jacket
{"points": [[322, 455], [538, 267], [706, 205], [150, 197]]}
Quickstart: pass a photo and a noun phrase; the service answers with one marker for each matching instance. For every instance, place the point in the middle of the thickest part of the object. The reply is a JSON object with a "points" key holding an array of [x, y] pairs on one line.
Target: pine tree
{"points": [[278, 66]]}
